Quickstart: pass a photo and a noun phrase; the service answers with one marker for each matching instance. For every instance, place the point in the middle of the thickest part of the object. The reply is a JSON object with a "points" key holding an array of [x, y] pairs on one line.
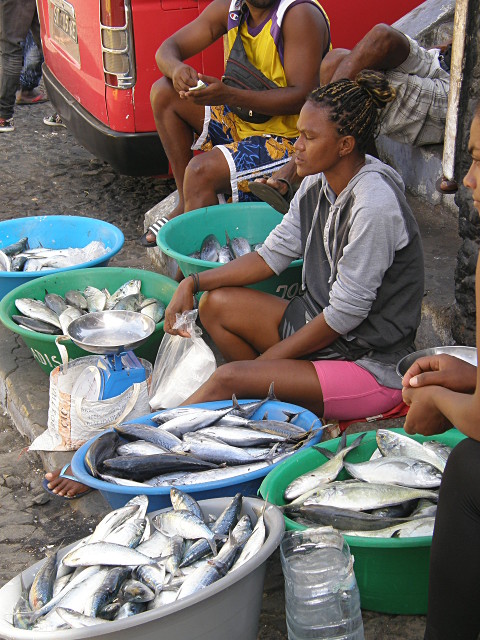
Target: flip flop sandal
{"points": [[67, 476], [271, 196], [153, 228], [41, 97]]}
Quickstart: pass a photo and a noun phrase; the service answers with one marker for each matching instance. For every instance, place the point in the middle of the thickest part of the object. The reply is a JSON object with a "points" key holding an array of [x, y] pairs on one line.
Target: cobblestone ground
{"points": [[45, 171]]}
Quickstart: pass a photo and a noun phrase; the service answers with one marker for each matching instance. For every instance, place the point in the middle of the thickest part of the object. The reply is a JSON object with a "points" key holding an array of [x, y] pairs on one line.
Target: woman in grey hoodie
{"points": [[333, 349]]}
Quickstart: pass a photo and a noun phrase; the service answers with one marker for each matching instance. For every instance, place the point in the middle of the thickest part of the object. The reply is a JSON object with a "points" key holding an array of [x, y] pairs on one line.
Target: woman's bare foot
{"points": [[64, 486], [151, 237]]}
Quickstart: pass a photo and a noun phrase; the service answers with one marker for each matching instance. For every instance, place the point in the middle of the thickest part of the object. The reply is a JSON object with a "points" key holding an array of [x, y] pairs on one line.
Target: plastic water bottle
{"points": [[322, 600]]}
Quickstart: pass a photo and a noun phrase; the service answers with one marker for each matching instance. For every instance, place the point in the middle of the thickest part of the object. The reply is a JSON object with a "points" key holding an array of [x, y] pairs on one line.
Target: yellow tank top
{"points": [[264, 49]]}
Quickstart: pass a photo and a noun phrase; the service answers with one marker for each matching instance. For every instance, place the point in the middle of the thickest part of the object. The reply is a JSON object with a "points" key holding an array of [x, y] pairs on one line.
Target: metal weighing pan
{"points": [[469, 354], [111, 332]]}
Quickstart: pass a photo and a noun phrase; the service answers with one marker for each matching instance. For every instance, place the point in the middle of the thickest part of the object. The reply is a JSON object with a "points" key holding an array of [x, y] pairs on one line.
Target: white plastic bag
{"points": [[74, 419], [182, 364]]}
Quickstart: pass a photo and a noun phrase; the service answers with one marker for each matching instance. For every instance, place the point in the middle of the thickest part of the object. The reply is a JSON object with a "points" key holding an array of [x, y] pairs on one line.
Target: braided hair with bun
{"points": [[354, 104]]}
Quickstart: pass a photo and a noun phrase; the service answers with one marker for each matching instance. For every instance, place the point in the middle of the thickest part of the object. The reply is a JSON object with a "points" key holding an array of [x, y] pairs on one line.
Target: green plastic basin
{"points": [[183, 236], [392, 573], [43, 346]]}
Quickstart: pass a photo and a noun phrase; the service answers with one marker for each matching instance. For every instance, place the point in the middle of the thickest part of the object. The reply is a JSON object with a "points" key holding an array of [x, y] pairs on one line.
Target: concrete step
{"points": [[420, 168], [439, 229]]}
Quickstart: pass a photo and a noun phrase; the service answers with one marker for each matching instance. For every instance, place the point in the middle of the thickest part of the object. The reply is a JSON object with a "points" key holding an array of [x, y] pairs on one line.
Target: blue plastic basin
{"points": [[57, 232], [159, 497]]}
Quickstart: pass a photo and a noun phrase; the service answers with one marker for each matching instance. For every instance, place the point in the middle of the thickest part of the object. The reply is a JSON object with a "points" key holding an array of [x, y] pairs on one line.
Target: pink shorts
{"points": [[351, 392]]}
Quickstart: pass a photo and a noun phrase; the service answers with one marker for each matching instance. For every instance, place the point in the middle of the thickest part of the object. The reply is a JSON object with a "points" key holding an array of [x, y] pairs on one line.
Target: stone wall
{"points": [[469, 221]]}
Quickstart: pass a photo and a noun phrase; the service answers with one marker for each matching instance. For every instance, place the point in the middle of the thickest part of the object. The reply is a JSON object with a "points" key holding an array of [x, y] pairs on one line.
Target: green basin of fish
{"points": [[43, 346], [251, 221], [392, 573]]}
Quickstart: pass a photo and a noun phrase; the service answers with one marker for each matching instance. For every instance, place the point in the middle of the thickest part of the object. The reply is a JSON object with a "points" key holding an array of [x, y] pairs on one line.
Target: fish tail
{"points": [[271, 454], [343, 442], [271, 393], [213, 545], [328, 454], [358, 440]]}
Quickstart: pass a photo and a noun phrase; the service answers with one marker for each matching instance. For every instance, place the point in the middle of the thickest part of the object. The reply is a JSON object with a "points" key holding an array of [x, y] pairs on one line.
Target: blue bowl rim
{"points": [[79, 470], [162, 244], [118, 244]]}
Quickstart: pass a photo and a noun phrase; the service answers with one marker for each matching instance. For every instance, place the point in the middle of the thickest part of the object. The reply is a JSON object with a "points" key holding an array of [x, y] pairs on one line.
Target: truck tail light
{"points": [[117, 43]]}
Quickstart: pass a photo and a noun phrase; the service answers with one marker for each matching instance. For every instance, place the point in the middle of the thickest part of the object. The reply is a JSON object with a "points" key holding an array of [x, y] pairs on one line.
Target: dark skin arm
{"points": [[382, 48], [434, 409], [304, 33], [249, 269], [191, 39], [311, 337]]}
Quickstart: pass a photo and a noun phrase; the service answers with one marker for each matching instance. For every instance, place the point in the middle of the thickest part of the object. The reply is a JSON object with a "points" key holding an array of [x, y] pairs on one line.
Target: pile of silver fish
{"points": [[20, 257], [195, 445], [56, 312], [393, 494], [212, 251], [131, 563]]}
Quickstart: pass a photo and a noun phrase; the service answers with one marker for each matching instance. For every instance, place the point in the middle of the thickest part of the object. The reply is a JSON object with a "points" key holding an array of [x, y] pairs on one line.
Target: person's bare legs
{"points": [[176, 121], [382, 48], [64, 486], [205, 176], [242, 322], [295, 381]]}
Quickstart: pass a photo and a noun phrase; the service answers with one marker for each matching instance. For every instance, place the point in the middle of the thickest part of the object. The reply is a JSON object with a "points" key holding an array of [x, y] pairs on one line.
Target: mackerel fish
{"points": [[363, 496], [222, 525], [181, 500], [397, 470], [210, 248], [391, 443], [41, 590], [106, 554], [341, 519], [38, 310], [323, 474], [411, 529], [184, 523], [140, 468]]}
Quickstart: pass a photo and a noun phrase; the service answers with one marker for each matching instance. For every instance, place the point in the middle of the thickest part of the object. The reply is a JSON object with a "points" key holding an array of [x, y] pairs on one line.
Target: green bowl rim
{"points": [[161, 242], [49, 339], [361, 541]]}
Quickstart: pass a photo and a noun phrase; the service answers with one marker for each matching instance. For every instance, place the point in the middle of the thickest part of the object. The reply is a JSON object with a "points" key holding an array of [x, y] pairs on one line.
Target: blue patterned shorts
{"points": [[249, 158]]}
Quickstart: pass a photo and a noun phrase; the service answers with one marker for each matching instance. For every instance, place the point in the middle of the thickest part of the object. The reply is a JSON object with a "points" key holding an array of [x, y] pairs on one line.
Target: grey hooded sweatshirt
{"points": [[363, 265]]}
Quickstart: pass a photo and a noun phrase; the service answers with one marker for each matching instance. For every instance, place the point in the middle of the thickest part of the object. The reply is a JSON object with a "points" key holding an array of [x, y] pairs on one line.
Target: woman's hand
{"points": [[423, 415], [181, 301], [443, 371]]}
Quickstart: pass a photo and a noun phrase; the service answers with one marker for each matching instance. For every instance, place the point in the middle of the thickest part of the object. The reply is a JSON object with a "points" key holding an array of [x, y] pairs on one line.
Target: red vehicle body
{"points": [[100, 65]]}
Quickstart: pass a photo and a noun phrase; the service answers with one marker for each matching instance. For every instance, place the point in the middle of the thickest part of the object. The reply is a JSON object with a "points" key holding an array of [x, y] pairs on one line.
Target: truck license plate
{"points": [[65, 22]]}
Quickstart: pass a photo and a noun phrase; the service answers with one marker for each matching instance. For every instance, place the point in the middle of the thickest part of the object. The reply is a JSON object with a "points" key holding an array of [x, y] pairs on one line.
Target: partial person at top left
{"points": [[247, 132], [16, 20]]}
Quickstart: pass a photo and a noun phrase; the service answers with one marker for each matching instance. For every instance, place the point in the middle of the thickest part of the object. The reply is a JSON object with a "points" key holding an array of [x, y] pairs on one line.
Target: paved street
{"points": [[45, 171]]}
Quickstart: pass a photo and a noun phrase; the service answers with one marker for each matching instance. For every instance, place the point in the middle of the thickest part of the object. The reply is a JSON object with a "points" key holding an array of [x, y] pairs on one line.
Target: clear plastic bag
{"points": [[182, 364]]}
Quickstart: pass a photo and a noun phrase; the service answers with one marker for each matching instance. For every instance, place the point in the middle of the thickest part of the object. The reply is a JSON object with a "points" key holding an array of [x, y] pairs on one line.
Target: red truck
{"points": [[100, 65]]}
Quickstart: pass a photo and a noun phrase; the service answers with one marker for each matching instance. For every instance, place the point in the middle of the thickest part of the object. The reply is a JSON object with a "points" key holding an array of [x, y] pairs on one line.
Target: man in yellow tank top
{"points": [[285, 40]]}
